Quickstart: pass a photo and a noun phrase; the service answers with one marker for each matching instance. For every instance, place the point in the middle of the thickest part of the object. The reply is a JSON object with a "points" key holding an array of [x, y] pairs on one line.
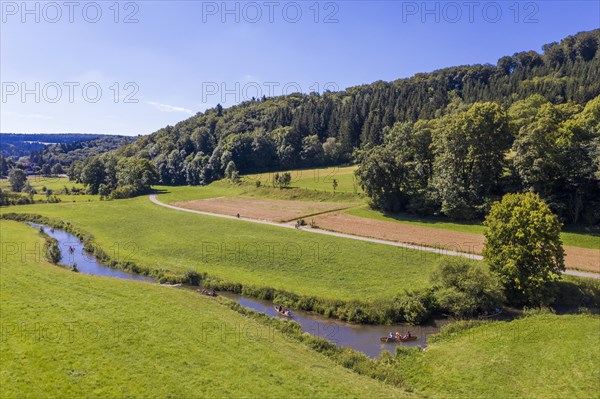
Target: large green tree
{"points": [[93, 174], [523, 246], [17, 179], [470, 149], [396, 174]]}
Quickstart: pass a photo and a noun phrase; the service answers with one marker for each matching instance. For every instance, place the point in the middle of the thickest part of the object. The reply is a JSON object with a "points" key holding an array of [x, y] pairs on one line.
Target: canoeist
{"points": [[398, 336], [408, 335], [391, 335]]}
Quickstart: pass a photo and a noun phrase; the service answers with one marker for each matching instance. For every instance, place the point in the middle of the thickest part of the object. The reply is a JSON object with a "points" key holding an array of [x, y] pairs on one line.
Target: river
{"points": [[364, 338]]}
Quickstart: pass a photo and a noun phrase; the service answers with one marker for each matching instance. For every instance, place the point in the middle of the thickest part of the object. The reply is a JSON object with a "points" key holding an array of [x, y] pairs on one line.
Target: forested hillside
{"points": [[302, 130]]}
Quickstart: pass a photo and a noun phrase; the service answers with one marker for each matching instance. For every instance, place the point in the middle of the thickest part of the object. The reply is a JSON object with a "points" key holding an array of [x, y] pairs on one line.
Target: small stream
{"points": [[86, 263], [364, 338]]}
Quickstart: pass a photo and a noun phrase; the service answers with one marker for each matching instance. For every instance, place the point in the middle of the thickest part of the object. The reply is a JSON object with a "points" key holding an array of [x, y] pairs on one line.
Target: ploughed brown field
{"points": [[262, 209], [576, 258]]}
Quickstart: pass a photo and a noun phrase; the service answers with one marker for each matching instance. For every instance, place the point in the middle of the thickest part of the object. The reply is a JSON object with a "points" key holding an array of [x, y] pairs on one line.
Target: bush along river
{"points": [[364, 338]]}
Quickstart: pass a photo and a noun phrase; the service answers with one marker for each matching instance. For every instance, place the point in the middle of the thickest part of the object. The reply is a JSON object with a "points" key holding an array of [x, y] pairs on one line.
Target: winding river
{"points": [[86, 263], [365, 338]]}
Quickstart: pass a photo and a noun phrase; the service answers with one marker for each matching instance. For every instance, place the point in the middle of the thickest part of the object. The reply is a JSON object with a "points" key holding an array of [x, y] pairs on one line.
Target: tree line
{"points": [[458, 165]]}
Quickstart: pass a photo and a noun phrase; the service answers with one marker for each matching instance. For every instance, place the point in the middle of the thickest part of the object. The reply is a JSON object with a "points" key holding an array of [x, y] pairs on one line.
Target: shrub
{"points": [[576, 291], [192, 277], [464, 288], [414, 309], [52, 250], [123, 192]]}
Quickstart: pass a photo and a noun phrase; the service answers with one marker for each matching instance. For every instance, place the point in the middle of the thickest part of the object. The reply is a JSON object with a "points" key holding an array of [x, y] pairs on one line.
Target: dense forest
{"points": [[303, 130]]}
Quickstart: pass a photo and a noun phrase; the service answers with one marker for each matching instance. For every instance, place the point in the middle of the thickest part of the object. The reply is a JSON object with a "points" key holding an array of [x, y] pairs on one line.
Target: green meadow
{"points": [[543, 356], [320, 179], [156, 238], [65, 334], [248, 189], [57, 185]]}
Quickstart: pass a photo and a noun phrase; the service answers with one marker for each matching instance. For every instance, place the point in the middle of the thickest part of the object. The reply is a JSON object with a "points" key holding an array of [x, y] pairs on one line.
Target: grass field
{"points": [[247, 189], [542, 356], [55, 184], [67, 335], [244, 252], [320, 179]]}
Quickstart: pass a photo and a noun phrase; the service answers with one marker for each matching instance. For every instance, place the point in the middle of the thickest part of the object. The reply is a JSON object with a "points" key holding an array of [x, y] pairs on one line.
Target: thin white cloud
{"points": [[26, 116], [170, 108]]}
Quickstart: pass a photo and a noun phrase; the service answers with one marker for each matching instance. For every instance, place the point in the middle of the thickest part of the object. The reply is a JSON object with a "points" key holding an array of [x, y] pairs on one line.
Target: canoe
{"points": [[391, 340], [281, 313]]}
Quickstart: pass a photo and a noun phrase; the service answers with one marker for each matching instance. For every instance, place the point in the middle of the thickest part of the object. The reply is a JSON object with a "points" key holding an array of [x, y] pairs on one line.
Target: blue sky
{"points": [[139, 66]]}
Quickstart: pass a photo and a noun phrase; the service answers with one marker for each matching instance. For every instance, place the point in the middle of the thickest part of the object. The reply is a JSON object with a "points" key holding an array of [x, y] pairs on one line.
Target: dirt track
{"points": [[261, 209], [578, 258]]}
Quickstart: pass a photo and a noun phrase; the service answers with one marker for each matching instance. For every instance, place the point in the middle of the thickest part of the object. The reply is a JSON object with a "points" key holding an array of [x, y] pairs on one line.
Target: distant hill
{"points": [[66, 153], [37, 153], [16, 145]]}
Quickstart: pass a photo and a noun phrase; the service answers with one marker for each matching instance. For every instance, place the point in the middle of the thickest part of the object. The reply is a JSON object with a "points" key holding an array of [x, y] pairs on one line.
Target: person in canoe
{"points": [[407, 336], [398, 336], [391, 335]]}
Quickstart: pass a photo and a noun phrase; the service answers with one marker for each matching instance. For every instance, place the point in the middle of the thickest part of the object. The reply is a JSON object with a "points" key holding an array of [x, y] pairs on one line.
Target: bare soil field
{"points": [[576, 258], [262, 209]]}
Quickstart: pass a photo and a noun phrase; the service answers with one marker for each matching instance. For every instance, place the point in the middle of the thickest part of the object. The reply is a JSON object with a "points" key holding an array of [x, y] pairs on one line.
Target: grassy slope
{"points": [[544, 356], [320, 179], [131, 339], [238, 251], [584, 238], [247, 189]]}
